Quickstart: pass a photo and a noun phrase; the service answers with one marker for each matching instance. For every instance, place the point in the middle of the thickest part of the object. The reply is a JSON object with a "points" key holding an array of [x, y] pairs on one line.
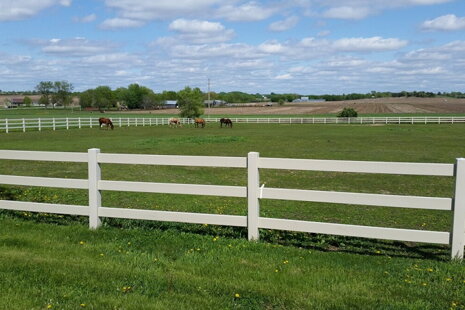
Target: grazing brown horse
{"points": [[226, 121], [174, 122], [105, 121], [199, 122]]}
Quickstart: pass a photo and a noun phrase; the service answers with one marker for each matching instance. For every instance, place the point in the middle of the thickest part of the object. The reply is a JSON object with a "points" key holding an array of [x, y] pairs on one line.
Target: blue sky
{"points": [[303, 46]]}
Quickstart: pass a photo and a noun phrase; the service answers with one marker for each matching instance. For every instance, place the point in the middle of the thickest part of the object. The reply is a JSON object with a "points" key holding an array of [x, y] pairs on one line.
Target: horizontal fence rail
{"points": [[34, 124], [253, 192]]}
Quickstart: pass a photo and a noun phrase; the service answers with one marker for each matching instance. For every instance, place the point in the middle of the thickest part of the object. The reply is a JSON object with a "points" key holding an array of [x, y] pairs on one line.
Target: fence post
{"points": [[458, 223], [253, 203], [90, 122], [67, 124], [6, 125], [24, 125], [53, 123], [95, 197], [79, 122], [39, 124]]}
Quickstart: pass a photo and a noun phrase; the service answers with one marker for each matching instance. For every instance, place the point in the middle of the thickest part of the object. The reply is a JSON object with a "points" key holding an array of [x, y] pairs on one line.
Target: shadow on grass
{"points": [[317, 242]]}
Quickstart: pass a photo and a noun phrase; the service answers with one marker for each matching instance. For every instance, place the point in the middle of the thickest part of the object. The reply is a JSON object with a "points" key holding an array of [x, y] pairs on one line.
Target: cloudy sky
{"points": [[303, 46]]}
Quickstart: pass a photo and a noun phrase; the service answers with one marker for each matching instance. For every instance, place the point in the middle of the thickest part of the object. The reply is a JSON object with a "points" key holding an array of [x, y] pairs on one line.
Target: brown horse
{"points": [[174, 122], [105, 121], [226, 121], [199, 122]]}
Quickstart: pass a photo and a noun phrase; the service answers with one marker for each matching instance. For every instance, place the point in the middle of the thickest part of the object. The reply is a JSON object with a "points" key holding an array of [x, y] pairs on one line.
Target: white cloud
{"points": [[117, 23], [85, 19], [200, 32], [359, 9], [73, 47], [346, 12], [250, 11], [271, 47], [448, 22], [369, 44], [286, 76], [22, 9], [283, 25], [187, 26], [160, 9]]}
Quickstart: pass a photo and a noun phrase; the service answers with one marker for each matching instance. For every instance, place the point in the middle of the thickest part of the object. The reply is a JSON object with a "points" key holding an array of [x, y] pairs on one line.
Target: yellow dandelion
{"points": [[101, 254], [237, 295], [49, 306], [81, 242], [424, 284], [129, 243], [276, 270], [429, 269], [83, 305], [286, 262], [378, 252], [448, 279]]}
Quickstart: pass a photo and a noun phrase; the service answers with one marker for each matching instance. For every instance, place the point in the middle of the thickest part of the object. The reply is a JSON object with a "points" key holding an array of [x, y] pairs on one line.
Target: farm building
{"points": [[306, 99]]}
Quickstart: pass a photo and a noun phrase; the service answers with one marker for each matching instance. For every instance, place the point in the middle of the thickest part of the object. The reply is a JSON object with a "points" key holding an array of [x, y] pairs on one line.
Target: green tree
{"points": [[104, 98], [101, 97], [62, 93], [86, 99], [190, 102], [348, 112], [133, 96], [45, 88], [27, 101]]}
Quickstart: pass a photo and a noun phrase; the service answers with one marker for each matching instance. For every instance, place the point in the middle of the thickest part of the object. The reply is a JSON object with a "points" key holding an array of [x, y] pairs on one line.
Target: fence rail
{"points": [[253, 192], [27, 124]]}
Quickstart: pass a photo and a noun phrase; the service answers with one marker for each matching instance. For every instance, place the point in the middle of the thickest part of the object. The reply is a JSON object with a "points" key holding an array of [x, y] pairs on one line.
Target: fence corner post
{"points": [[95, 197], [457, 237], [253, 203]]}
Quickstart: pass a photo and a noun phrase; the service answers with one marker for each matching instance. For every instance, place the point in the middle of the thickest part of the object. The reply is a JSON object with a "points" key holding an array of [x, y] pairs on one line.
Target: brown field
{"points": [[363, 106]]}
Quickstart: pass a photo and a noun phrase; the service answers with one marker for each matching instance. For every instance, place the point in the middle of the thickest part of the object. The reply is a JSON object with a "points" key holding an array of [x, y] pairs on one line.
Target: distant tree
{"points": [[190, 102], [104, 98], [62, 93], [133, 96], [86, 99], [101, 97], [348, 112], [169, 95], [27, 101], [45, 88]]}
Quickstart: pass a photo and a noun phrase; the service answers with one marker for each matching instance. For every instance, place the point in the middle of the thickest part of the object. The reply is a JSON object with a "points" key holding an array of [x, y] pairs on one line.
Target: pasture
{"points": [[56, 261]]}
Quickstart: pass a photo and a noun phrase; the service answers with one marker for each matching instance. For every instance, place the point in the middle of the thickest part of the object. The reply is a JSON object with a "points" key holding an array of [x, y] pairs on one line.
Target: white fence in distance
{"points": [[26, 124], [253, 192]]}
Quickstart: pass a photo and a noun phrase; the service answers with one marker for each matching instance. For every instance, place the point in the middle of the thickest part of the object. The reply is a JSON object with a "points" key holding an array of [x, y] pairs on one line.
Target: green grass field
{"points": [[49, 261]]}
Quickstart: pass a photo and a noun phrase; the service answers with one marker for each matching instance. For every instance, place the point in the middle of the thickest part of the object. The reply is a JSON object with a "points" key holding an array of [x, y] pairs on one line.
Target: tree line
{"points": [[136, 96]]}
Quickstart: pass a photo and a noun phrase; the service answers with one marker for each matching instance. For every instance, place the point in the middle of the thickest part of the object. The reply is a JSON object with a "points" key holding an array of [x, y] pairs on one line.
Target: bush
{"points": [[348, 112]]}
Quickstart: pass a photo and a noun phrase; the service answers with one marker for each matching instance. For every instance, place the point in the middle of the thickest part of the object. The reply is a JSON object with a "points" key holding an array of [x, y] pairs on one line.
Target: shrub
{"points": [[347, 112]]}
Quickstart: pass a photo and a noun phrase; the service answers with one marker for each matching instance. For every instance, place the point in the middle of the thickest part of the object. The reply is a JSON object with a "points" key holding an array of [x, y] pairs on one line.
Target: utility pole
{"points": [[208, 97]]}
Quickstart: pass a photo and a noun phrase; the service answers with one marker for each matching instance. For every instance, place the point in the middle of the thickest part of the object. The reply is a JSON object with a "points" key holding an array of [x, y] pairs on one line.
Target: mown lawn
{"points": [[42, 257], [70, 267]]}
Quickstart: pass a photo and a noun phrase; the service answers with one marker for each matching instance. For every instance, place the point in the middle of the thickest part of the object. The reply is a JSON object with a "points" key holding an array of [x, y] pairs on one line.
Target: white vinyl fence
{"points": [[253, 192], [26, 124]]}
